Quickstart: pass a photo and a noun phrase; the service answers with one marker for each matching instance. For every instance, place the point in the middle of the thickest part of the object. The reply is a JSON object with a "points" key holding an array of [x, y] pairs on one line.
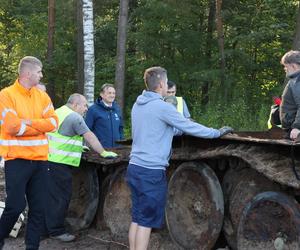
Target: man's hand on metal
{"points": [[108, 154], [225, 130], [294, 135], [85, 149]]}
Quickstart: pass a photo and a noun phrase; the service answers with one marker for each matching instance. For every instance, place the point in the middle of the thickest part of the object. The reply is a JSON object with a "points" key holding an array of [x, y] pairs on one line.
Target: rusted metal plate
{"points": [[273, 161], [123, 156], [239, 187], [270, 221], [117, 206], [265, 137], [274, 136], [195, 208], [100, 223], [85, 197]]}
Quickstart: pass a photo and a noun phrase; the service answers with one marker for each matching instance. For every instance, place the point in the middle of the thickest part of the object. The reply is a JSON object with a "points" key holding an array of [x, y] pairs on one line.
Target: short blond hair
{"points": [[153, 76], [28, 62]]}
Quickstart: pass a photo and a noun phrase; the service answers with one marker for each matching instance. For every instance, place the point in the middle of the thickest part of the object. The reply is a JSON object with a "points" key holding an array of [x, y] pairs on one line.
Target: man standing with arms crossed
{"points": [[27, 114], [153, 123]]}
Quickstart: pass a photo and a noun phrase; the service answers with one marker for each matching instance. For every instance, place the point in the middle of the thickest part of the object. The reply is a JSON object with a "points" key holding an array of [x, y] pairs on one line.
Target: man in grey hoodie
{"points": [[153, 123]]}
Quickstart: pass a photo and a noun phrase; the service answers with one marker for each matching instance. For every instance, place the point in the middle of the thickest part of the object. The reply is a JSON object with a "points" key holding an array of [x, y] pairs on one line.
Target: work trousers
{"points": [[59, 197], [24, 178]]}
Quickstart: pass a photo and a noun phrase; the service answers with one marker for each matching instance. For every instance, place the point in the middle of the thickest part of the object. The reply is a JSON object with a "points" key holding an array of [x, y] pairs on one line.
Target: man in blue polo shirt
{"points": [[153, 123]]}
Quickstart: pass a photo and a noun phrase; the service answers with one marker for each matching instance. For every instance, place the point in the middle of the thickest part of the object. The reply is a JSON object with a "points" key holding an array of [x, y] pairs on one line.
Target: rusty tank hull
{"points": [[219, 190]]}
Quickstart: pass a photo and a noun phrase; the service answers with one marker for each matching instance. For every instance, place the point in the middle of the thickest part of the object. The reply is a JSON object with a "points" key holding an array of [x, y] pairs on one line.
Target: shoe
{"points": [[66, 237]]}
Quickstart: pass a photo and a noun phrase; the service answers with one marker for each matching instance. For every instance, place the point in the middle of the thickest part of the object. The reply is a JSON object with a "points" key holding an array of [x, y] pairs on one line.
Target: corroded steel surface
{"points": [[273, 162], [266, 153], [195, 208], [117, 205], [123, 157], [270, 221], [272, 159], [239, 187], [273, 136], [85, 197]]}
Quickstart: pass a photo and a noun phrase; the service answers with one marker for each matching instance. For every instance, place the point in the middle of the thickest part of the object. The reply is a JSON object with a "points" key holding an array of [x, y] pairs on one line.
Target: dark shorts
{"points": [[148, 195]]}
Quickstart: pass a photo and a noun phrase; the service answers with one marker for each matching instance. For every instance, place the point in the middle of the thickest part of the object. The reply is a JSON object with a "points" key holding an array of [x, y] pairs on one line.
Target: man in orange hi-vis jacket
{"points": [[27, 114]]}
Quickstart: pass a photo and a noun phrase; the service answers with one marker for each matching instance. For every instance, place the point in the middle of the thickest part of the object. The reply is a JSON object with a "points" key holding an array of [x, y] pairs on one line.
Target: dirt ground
{"points": [[88, 240]]}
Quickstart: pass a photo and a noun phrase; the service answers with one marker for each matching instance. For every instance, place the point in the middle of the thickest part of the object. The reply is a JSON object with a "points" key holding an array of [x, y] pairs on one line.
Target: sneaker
{"points": [[66, 237]]}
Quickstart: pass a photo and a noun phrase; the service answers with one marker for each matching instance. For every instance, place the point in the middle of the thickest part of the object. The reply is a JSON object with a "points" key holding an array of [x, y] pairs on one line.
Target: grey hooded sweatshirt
{"points": [[153, 122]]}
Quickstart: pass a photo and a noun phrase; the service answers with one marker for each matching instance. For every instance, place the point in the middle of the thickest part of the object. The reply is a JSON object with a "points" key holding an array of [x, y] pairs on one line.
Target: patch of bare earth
{"points": [[91, 239]]}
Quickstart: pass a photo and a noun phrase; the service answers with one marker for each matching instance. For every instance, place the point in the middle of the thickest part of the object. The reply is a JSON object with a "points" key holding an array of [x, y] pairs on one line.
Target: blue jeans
{"points": [[24, 178]]}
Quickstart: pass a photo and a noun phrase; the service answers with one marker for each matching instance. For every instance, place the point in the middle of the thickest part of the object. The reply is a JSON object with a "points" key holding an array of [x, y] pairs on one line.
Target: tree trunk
{"points": [[50, 48], [88, 50], [80, 69], [296, 43], [220, 32], [121, 52], [210, 22]]}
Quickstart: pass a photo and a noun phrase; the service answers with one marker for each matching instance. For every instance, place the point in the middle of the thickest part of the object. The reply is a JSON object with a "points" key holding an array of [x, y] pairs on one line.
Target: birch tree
{"points": [[121, 52], [50, 48], [88, 50], [79, 30]]}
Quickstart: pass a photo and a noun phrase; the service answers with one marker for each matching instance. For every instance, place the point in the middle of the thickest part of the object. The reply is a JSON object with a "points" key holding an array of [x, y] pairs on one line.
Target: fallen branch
{"points": [[108, 241]]}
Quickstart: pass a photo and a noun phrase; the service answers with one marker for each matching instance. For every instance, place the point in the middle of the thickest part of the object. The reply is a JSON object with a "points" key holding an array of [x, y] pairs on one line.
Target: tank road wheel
{"points": [[271, 220], [239, 187], [195, 206], [100, 224], [117, 205], [85, 197]]}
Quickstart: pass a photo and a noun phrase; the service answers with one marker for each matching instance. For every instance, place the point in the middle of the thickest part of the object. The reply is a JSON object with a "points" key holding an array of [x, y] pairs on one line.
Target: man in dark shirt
{"points": [[290, 106]]}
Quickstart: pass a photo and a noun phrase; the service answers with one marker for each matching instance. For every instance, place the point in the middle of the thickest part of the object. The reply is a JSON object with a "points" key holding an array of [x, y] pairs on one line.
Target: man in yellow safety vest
{"points": [[65, 149], [180, 105]]}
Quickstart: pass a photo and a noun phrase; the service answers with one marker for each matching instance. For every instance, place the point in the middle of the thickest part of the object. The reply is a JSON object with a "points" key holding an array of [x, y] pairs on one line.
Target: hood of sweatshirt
{"points": [[148, 96]]}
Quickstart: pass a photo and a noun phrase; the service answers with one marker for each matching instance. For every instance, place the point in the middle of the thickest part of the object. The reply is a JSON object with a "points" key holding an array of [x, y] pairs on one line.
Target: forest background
{"points": [[227, 68]]}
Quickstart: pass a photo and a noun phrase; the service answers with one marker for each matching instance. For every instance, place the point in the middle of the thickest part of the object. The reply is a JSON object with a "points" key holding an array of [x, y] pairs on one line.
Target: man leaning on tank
{"points": [[153, 122]]}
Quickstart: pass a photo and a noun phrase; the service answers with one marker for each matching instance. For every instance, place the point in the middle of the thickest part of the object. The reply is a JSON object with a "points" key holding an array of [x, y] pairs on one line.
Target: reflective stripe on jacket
{"points": [[65, 149], [179, 104], [18, 139]]}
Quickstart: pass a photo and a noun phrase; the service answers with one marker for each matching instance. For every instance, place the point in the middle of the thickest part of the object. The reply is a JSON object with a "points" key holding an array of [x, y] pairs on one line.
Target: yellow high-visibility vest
{"points": [[65, 149], [179, 104]]}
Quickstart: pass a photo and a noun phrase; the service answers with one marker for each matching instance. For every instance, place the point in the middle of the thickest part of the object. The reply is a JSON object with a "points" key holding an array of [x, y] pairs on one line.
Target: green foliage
{"points": [[171, 33]]}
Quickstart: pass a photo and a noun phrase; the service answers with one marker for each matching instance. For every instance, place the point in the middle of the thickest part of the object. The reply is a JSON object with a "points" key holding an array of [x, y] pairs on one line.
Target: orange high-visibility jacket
{"points": [[17, 139]]}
